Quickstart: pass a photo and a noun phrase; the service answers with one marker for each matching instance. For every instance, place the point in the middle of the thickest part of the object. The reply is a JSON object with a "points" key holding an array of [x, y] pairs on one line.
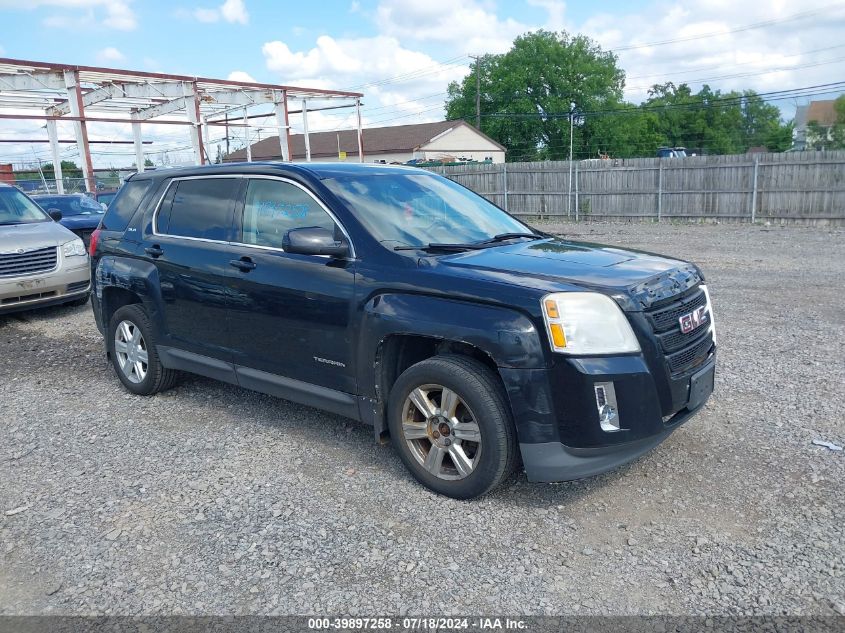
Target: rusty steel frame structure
{"points": [[63, 92]]}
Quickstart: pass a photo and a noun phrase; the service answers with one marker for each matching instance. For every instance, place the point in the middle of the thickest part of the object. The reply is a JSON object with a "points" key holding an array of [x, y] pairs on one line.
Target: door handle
{"points": [[154, 251], [244, 264]]}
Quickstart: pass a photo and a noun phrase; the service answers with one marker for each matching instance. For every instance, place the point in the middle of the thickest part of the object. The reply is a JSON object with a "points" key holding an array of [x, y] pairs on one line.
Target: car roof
{"points": [[318, 170]]}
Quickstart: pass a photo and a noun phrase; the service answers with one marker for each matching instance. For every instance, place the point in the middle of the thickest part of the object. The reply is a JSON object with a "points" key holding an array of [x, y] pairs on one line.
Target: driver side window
{"points": [[274, 207]]}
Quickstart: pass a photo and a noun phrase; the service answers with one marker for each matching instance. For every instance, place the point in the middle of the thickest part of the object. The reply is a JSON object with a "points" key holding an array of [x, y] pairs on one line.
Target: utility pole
{"points": [[477, 91], [569, 195], [227, 132]]}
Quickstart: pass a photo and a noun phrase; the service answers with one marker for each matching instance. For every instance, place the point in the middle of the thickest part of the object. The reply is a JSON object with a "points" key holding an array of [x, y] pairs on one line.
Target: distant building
{"points": [[443, 140], [822, 112], [7, 174]]}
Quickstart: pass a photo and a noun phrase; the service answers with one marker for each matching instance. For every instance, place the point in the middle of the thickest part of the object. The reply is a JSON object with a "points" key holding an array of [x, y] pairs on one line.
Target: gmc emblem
{"points": [[692, 320]]}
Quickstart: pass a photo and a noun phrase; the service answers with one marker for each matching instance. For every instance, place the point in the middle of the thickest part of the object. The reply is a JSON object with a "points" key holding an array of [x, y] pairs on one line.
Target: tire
{"points": [[439, 447], [131, 326]]}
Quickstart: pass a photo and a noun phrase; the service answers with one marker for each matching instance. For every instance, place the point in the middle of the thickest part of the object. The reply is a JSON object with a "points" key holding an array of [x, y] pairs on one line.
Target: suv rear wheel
{"points": [[133, 354], [451, 424]]}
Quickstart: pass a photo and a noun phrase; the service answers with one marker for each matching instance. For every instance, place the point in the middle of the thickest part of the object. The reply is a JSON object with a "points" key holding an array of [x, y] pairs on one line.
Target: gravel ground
{"points": [[212, 499]]}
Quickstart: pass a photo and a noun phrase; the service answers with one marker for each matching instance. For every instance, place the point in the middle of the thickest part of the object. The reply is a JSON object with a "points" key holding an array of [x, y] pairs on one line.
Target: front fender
{"points": [[506, 335]]}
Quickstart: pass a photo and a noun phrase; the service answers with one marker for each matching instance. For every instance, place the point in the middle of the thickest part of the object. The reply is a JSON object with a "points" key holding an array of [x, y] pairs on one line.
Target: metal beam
{"points": [[154, 90], [320, 93], [57, 161], [239, 97], [281, 109], [360, 131], [246, 137], [32, 81], [192, 106], [161, 109], [77, 109], [139, 145], [305, 130], [89, 98]]}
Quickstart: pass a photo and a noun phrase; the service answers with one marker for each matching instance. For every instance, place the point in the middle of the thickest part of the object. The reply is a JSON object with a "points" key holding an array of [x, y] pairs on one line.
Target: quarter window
{"points": [[125, 204], [199, 208], [274, 207]]}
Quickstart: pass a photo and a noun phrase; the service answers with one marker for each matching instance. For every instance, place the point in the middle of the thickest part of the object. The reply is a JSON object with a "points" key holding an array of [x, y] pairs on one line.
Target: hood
{"points": [[31, 236], [553, 264], [82, 221]]}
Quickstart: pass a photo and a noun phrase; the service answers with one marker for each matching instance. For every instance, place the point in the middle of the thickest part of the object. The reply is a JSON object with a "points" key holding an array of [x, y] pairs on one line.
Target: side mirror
{"points": [[55, 214], [315, 240], [104, 206]]}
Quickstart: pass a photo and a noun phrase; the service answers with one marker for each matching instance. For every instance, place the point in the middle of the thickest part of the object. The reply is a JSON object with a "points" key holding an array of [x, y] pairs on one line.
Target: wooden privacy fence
{"points": [[795, 187]]}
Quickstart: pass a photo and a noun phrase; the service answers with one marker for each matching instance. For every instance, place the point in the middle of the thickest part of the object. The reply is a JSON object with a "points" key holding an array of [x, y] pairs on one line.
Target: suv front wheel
{"points": [[451, 425], [133, 353]]}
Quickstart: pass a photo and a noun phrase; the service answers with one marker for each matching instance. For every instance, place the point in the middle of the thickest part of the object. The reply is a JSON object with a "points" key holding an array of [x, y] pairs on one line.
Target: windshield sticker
{"points": [[276, 209]]}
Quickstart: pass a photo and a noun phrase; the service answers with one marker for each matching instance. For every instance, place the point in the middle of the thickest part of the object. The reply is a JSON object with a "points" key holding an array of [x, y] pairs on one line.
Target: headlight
{"points": [[74, 247], [710, 312], [587, 323]]}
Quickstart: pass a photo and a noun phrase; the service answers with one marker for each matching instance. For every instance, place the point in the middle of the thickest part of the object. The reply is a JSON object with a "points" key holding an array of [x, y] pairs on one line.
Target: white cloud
{"points": [[207, 15], [239, 75], [232, 11], [110, 54], [466, 27], [113, 14], [120, 16], [359, 63], [752, 53], [556, 10]]}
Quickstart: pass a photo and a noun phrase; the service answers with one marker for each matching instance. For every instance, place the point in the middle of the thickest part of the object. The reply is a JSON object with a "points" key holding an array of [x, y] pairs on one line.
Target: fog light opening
{"points": [[607, 407]]}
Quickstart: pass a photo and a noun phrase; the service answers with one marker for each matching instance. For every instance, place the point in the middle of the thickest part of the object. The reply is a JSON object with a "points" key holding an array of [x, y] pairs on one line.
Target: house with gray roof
{"points": [[441, 140]]}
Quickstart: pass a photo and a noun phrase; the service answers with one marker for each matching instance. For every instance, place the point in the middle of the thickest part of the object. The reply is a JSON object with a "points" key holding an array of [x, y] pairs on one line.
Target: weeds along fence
{"points": [[794, 187]]}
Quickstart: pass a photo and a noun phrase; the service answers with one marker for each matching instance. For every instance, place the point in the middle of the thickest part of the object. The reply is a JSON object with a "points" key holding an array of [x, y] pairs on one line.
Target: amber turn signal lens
{"points": [[551, 309], [558, 337]]}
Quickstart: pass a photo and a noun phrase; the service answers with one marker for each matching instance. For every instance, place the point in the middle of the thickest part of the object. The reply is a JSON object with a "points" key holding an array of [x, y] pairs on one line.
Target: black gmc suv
{"points": [[394, 296]]}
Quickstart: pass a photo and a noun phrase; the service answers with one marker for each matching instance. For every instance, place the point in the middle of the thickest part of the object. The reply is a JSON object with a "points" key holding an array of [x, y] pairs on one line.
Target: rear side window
{"points": [[123, 207], [200, 208]]}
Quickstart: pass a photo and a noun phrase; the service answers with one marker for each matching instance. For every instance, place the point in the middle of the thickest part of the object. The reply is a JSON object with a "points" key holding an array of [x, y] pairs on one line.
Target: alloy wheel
{"points": [[130, 349], [441, 431]]}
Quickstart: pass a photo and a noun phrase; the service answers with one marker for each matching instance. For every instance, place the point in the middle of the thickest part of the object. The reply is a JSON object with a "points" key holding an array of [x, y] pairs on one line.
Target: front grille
{"points": [[29, 297], [15, 264], [76, 286], [666, 317], [692, 356], [683, 351]]}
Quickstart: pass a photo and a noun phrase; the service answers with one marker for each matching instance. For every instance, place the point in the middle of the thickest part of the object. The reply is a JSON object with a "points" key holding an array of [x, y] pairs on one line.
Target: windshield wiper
{"points": [[501, 237], [434, 246]]}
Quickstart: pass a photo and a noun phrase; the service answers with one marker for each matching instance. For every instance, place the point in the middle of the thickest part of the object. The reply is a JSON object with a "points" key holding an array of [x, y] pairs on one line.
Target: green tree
{"points": [[714, 122], [526, 94]]}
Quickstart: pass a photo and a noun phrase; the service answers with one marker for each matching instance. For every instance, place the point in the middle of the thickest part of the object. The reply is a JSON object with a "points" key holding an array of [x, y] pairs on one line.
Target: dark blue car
{"points": [[80, 213]]}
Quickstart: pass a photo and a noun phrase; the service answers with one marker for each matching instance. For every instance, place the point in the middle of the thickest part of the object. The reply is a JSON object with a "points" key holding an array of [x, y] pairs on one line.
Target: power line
{"points": [[755, 73], [739, 29], [703, 68], [733, 100]]}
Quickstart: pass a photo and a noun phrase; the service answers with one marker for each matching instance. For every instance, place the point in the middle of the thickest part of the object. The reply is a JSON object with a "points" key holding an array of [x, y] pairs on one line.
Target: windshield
{"points": [[70, 205], [16, 208], [418, 209]]}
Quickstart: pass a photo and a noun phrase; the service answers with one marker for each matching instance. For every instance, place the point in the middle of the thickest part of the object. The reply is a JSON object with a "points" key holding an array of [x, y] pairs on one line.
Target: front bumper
{"points": [[557, 418], [553, 461], [58, 286]]}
